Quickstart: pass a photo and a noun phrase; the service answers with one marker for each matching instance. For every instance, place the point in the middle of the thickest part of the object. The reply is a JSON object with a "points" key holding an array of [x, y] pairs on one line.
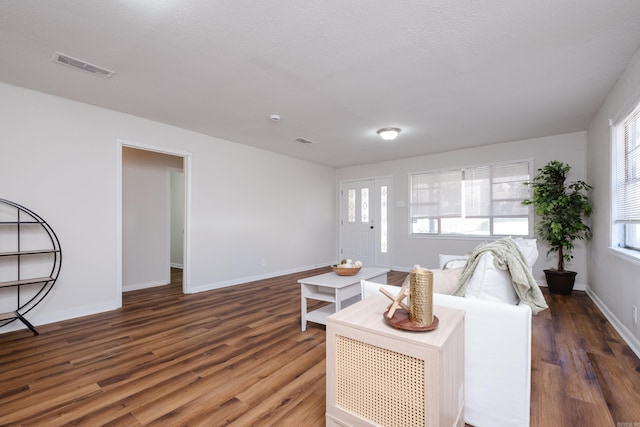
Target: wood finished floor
{"points": [[236, 357]]}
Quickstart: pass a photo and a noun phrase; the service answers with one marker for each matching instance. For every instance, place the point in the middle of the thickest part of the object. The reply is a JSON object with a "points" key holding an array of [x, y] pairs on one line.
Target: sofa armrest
{"points": [[497, 361]]}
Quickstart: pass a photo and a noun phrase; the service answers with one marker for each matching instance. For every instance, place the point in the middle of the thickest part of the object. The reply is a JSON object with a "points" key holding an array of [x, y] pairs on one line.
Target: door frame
{"points": [[187, 160], [377, 181], [170, 172]]}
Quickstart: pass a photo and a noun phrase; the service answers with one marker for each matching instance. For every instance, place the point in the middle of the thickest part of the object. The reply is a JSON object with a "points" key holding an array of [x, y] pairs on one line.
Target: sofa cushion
{"points": [[444, 281], [452, 261], [491, 283], [529, 249]]}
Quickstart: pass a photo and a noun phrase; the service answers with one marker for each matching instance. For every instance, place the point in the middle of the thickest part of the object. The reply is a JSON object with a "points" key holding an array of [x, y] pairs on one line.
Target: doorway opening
{"points": [[153, 190]]}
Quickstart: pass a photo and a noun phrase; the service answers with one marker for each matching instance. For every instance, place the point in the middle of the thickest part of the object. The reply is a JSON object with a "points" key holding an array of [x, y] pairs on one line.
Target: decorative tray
{"points": [[400, 320]]}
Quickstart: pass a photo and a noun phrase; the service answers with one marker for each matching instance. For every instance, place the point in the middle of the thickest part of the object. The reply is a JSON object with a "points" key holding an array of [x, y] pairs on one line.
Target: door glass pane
{"points": [[383, 219], [365, 205], [352, 205]]}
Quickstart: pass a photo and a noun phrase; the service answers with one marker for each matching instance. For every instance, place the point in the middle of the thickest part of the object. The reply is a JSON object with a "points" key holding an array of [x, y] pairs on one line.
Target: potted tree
{"points": [[562, 209]]}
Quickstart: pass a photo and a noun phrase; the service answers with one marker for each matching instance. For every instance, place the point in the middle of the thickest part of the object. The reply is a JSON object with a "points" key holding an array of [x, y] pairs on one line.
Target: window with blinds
{"points": [[626, 194], [479, 201]]}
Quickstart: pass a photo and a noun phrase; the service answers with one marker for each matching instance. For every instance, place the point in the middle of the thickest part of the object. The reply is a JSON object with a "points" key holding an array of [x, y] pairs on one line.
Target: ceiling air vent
{"points": [[304, 141], [78, 64]]}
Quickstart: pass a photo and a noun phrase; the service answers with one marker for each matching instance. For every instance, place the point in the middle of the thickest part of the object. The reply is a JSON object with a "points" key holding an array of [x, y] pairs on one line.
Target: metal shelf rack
{"points": [[30, 261]]}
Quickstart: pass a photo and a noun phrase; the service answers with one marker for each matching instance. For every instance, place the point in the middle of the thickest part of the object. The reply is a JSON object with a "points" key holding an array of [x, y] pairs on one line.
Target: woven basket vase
{"points": [[421, 297]]}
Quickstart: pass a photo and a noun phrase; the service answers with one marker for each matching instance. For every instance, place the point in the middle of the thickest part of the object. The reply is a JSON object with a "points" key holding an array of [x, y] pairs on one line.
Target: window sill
{"points": [[626, 254]]}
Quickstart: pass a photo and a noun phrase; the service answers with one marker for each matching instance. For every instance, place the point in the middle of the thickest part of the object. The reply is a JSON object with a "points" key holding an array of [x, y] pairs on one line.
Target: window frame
{"points": [[618, 148], [529, 217]]}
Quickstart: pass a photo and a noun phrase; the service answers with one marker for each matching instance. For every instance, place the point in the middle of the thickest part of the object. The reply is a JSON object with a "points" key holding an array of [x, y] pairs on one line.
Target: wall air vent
{"points": [[304, 141], [78, 64]]}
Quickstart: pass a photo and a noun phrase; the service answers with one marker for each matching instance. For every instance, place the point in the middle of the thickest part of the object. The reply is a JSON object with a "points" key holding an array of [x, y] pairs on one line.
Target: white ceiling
{"points": [[450, 73]]}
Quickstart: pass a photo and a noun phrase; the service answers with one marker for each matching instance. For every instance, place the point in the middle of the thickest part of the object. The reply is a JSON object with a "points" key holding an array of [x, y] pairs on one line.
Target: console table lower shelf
{"points": [[381, 376], [338, 291]]}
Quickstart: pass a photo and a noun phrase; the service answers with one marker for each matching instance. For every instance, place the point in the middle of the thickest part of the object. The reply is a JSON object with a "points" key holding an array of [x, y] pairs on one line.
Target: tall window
{"points": [[383, 219], [479, 201], [626, 194]]}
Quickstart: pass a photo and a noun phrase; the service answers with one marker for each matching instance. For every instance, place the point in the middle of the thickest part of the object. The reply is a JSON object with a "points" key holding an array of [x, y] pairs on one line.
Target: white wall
{"points": [[408, 251], [255, 214], [146, 218], [615, 283], [177, 217]]}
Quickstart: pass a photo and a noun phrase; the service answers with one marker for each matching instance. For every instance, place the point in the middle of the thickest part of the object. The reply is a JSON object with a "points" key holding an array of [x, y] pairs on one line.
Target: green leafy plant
{"points": [[562, 208]]}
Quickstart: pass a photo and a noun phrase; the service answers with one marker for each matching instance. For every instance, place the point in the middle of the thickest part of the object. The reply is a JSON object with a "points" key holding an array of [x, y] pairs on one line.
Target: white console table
{"points": [[340, 291]]}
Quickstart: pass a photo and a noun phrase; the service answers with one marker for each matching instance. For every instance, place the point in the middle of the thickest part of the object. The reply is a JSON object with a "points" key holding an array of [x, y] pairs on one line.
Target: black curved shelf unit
{"points": [[30, 261]]}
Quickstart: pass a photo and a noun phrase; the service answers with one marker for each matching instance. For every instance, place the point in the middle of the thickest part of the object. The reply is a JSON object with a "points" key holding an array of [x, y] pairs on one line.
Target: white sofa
{"points": [[497, 358]]}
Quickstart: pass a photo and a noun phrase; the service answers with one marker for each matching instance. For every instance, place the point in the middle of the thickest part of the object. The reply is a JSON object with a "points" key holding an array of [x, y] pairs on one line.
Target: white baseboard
{"points": [[41, 319], [176, 265], [398, 268], [136, 286], [243, 280], [576, 287], [59, 316], [625, 333]]}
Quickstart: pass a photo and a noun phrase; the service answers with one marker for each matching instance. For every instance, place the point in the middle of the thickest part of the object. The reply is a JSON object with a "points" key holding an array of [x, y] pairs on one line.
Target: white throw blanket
{"points": [[506, 256]]}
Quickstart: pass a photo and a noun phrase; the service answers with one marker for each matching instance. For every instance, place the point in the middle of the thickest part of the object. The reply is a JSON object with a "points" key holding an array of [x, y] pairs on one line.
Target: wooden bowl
{"points": [[345, 271]]}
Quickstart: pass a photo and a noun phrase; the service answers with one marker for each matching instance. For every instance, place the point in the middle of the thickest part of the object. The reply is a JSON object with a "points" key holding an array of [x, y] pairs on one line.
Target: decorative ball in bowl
{"points": [[347, 268], [345, 271]]}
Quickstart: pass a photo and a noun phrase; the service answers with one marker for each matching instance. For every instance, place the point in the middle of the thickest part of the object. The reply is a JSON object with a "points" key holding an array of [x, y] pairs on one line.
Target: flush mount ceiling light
{"points": [[388, 134]]}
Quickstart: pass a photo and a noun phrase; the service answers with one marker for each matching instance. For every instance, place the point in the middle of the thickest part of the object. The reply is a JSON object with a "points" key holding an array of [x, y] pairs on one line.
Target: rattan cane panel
{"points": [[380, 385]]}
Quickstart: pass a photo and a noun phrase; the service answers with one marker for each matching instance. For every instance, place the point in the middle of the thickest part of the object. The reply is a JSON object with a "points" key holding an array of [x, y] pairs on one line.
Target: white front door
{"points": [[364, 221]]}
